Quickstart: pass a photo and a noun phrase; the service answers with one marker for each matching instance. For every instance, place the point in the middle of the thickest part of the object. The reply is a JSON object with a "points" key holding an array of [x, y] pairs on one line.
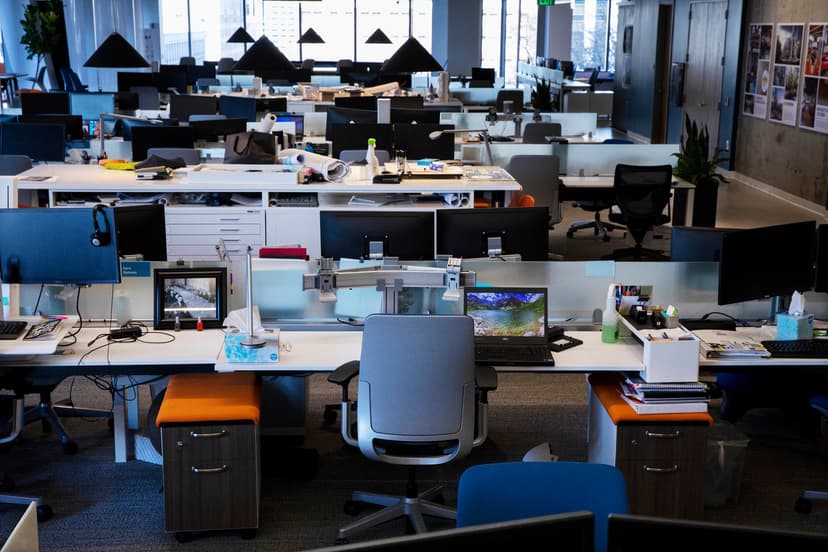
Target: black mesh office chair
{"points": [[536, 133], [642, 193], [804, 503], [515, 96]]}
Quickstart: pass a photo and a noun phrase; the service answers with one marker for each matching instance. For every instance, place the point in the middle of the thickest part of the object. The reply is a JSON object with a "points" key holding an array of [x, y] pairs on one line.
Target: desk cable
{"points": [[738, 321]]}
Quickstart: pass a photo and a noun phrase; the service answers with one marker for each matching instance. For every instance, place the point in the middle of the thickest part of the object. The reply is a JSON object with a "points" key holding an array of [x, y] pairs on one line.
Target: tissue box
{"points": [[789, 326], [236, 352]]}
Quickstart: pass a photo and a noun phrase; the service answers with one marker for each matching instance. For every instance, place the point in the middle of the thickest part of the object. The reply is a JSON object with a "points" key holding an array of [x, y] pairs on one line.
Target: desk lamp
{"points": [[309, 37], [489, 158], [116, 53], [102, 151], [378, 37]]}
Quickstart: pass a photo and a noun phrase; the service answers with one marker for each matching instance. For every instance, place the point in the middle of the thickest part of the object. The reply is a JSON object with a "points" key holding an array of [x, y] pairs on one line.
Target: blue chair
{"points": [[516, 490], [804, 503]]}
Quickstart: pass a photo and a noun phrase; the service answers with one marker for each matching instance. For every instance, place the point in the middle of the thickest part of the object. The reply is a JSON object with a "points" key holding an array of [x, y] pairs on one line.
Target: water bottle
{"points": [[372, 167]]}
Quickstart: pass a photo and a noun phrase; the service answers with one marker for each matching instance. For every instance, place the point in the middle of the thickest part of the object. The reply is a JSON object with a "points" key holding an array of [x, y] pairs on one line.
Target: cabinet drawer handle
{"points": [[236, 219], [229, 230], [654, 435], [196, 435], [660, 470], [223, 468]]}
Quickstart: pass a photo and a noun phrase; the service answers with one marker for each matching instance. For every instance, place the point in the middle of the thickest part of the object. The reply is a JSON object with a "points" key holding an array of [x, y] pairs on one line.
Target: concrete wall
{"points": [[789, 158]]}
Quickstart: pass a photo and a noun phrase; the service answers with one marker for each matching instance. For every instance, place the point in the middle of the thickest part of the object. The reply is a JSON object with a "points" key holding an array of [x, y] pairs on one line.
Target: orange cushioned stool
{"points": [[210, 445]]}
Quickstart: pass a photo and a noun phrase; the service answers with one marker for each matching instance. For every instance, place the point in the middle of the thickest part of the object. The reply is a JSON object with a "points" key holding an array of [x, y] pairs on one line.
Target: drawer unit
{"points": [[193, 234], [211, 476]]}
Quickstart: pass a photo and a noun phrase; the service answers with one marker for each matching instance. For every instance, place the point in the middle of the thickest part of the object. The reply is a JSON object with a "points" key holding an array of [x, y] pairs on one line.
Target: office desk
{"points": [[748, 364]]}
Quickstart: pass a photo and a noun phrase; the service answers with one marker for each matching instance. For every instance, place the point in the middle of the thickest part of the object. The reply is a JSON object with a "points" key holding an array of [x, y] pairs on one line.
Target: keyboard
{"points": [[513, 356], [798, 348], [11, 329]]}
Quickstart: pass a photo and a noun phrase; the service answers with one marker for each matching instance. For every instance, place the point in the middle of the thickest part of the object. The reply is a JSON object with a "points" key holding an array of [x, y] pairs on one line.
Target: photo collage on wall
{"points": [[757, 73], [813, 112], [785, 77]]}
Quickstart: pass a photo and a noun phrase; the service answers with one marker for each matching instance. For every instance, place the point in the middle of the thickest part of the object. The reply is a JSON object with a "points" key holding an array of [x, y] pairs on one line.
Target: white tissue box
{"points": [[234, 351], [789, 326]]}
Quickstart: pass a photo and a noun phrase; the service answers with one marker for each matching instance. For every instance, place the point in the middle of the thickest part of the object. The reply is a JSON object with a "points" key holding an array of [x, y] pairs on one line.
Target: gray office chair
{"points": [[418, 405], [308, 64], [536, 133], [148, 97], [355, 156], [539, 177], [804, 503], [225, 65], [190, 156], [14, 164]]}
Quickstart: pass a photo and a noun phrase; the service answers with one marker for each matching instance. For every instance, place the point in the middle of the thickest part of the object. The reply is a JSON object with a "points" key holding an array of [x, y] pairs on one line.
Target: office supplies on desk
{"points": [[509, 325], [45, 329], [725, 344]]}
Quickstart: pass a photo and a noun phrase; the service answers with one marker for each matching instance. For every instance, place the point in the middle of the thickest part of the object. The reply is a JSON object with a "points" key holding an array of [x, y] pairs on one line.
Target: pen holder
{"points": [[670, 321], [789, 326]]}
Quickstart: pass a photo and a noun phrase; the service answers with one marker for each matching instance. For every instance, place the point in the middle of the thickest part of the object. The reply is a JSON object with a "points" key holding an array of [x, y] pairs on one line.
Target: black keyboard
{"points": [[530, 355], [11, 329], [798, 348]]}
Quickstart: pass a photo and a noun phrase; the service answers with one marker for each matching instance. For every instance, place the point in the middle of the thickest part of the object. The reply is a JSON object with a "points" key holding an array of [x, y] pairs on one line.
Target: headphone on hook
{"points": [[99, 237]]}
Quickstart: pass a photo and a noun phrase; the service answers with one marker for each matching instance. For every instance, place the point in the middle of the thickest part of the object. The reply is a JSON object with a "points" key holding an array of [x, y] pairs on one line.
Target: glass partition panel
{"points": [[596, 159]]}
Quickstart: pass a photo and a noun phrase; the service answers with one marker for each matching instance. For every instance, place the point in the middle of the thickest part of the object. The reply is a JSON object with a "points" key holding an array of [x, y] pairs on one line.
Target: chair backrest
{"points": [[351, 155], [515, 96], [539, 176], [126, 101], [506, 491], [190, 156], [308, 64], [204, 83], [416, 363], [642, 191], [536, 133], [186, 60], [148, 97], [225, 65], [14, 164]]}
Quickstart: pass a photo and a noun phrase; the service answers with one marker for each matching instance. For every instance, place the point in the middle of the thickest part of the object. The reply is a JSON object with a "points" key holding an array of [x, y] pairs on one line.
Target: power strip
{"points": [[130, 332]]}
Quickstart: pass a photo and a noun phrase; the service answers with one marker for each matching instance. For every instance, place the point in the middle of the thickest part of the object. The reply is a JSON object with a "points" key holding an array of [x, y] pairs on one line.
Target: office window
{"points": [[333, 20], [593, 33], [390, 16], [520, 40], [175, 28], [490, 47], [421, 21]]}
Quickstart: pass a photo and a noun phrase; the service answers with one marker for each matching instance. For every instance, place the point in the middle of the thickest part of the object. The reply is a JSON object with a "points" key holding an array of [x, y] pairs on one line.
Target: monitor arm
{"points": [[102, 151]]}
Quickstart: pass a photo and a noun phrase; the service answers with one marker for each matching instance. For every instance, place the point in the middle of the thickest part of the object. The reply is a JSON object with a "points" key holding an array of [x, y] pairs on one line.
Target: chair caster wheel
{"points": [[341, 541], [184, 537], [570, 234], [605, 238], [803, 505], [248, 534], [352, 507], [44, 512], [70, 447]]}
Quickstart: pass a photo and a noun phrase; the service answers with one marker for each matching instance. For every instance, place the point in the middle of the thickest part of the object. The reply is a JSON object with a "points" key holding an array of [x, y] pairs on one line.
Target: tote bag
{"points": [[251, 148]]}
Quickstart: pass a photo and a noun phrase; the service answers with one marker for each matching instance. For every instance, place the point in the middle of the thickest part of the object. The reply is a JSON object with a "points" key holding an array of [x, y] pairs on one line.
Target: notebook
{"points": [[509, 325]]}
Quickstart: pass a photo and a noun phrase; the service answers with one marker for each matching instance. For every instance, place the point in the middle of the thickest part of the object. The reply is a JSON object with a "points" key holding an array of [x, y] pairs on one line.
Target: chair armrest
{"points": [[343, 375], [485, 378]]}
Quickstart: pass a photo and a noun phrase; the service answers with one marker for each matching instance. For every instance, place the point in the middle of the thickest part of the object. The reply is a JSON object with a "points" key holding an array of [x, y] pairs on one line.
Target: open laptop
{"points": [[509, 325]]}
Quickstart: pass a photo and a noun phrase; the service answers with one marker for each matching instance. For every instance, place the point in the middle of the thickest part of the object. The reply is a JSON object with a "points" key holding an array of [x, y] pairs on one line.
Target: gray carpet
{"points": [[100, 505]]}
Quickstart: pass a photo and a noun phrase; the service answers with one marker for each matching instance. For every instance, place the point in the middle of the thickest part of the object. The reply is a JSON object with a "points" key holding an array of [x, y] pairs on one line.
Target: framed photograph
{"points": [[189, 294]]}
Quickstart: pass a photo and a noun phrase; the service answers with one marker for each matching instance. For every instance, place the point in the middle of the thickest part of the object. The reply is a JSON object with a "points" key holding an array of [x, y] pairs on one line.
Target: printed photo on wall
{"points": [[757, 71], [787, 61], [813, 109]]}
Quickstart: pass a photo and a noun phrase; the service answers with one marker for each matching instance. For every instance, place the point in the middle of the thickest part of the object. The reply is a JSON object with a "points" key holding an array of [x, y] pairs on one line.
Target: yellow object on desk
{"points": [[118, 164]]}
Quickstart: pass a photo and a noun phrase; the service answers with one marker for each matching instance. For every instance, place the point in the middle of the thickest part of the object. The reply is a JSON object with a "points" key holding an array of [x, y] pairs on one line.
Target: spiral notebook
{"points": [[509, 325]]}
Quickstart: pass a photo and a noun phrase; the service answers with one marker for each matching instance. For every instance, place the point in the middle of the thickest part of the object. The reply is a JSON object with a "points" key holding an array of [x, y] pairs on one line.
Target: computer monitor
{"points": [[473, 233], [46, 102], [821, 264], [40, 141], [183, 105], [483, 73], [373, 234], [212, 130], [298, 120], [765, 262], [128, 79], [195, 72], [636, 533], [697, 243], [72, 124], [413, 138], [405, 115], [271, 105], [159, 136], [407, 102], [356, 102], [170, 77], [345, 115], [141, 231], [237, 107], [350, 137], [90, 105], [55, 246], [570, 532]]}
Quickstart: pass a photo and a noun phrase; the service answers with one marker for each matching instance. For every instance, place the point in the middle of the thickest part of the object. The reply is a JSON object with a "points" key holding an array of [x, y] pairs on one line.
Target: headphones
{"points": [[99, 237]]}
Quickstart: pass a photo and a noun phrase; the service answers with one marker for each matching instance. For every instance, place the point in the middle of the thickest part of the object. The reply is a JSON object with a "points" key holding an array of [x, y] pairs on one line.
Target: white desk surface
{"points": [[46, 346], [606, 181]]}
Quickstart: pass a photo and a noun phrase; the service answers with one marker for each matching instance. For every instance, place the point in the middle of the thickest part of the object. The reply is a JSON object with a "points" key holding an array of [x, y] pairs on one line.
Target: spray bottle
{"points": [[372, 167], [609, 318]]}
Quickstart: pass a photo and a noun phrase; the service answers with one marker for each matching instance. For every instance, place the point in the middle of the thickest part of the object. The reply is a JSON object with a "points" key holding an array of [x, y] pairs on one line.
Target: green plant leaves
{"points": [[541, 95], [693, 164]]}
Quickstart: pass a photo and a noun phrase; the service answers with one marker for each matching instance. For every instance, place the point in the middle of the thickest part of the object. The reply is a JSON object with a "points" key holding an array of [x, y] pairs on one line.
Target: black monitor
{"points": [[90, 105], [271, 105], [355, 137], [697, 243], [406, 102], [356, 102], [405, 115], [765, 262], [211, 130], [473, 233], [821, 264], [483, 74], [195, 72], [72, 124], [183, 105], [634, 533], [298, 120], [567, 68], [55, 246], [344, 115], [569, 532], [159, 136], [417, 145], [355, 234], [169, 78], [40, 141], [235, 106], [141, 231], [128, 79], [46, 102]]}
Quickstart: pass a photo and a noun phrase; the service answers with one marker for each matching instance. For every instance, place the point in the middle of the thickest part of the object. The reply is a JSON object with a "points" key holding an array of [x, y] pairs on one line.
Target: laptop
{"points": [[509, 325]]}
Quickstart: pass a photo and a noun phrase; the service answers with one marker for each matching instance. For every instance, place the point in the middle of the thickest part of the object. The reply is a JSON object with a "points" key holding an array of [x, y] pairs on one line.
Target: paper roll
{"points": [[267, 122]]}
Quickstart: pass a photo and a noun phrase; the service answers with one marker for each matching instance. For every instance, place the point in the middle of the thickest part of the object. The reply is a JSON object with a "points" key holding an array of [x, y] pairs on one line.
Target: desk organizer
{"points": [[210, 446], [673, 359]]}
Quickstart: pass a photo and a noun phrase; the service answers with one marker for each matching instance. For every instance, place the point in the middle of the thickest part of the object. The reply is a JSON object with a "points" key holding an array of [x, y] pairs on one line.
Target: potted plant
{"points": [[541, 97], [697, 166], [41, 35]]}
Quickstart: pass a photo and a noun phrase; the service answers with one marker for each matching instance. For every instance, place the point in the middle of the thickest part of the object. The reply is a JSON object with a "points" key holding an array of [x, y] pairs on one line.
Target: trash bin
{"points": [[724, 465]]}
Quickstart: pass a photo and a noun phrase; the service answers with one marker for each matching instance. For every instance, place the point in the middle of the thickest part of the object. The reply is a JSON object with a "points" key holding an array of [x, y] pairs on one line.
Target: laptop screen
{"points": [[507, 312]]}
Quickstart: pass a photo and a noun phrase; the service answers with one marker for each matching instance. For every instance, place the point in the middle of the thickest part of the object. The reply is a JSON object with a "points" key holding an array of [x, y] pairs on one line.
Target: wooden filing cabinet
{"points": [[211, 477], [662, 462]]}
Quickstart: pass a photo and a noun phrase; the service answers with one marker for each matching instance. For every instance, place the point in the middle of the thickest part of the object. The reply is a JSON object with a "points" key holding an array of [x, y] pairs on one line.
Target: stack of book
{"points": [[663, 398], [728, 344]]}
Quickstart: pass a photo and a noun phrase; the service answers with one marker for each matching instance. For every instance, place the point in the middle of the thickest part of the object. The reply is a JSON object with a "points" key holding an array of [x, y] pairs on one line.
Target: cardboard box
{"points": [[236, 352]]}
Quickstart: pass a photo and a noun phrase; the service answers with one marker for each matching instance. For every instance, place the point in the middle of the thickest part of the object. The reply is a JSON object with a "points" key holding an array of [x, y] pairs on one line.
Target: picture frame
{"points": [[189, 293]]}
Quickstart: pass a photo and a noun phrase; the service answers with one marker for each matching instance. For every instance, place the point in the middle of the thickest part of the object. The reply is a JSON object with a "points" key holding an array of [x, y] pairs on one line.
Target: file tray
{"points": [[670, 355]]}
